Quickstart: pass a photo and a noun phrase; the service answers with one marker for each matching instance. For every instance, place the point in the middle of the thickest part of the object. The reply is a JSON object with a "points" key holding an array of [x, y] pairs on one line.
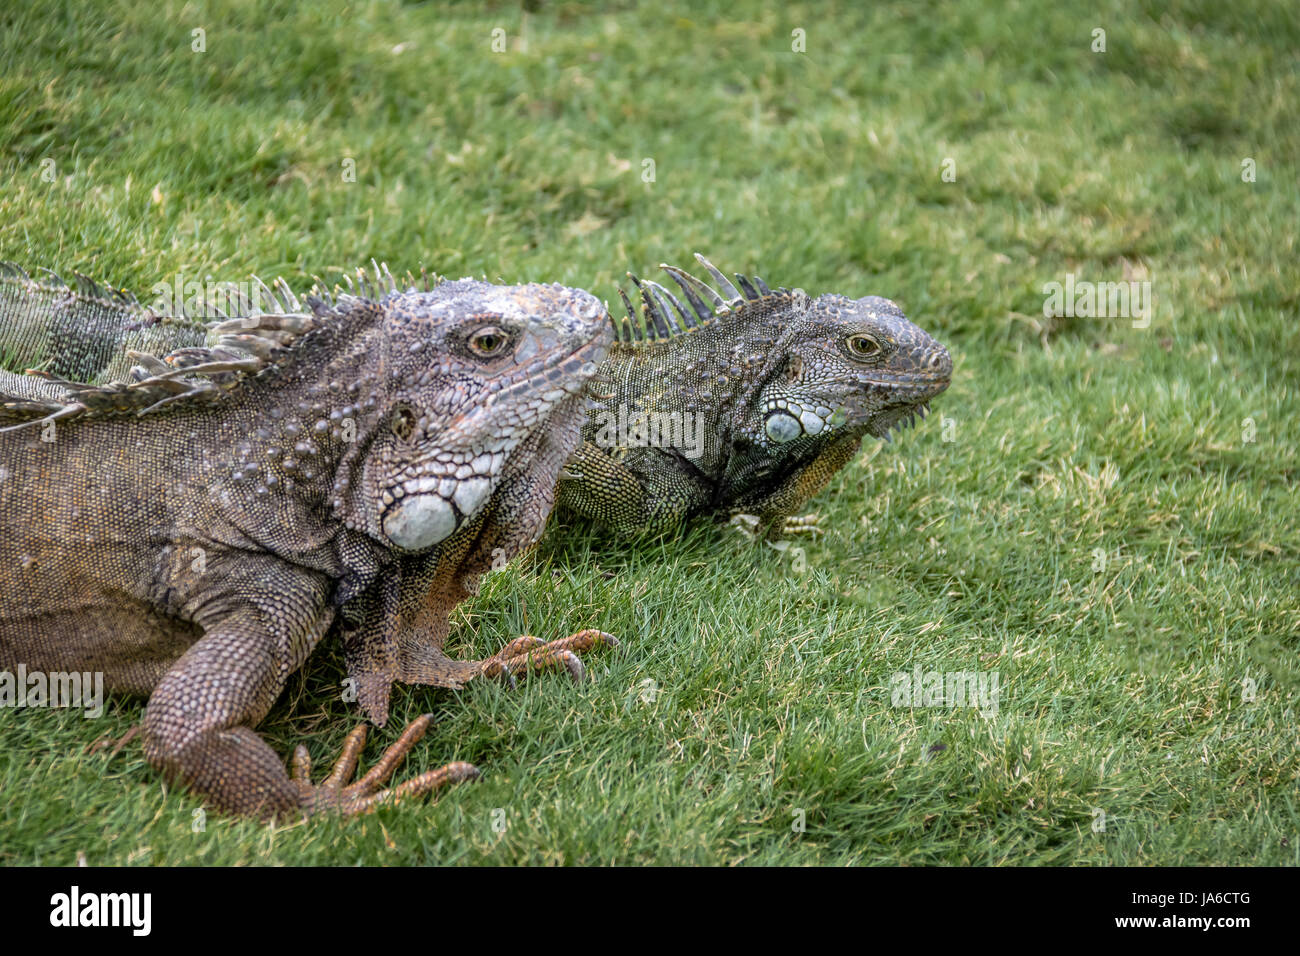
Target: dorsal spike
{"points": [[48, 279], [750, 292], [627, 321], [67, 411], [642, 326], [657, 325], [233, 297], [86, 286], [655, 317], [709, 293], [762, 286], [263, 292], [671, 307], [125, 298], [693, 297], [288, 300], [319, 293], [14, 272], [149, 365], [728, 290]]}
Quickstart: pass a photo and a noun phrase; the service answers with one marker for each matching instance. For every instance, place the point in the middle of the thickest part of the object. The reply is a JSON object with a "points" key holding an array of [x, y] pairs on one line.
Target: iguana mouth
{"points": [[896, 419]]}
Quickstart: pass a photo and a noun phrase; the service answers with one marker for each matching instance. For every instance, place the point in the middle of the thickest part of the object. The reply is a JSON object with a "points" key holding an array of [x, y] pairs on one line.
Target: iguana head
{"points": [[808, 368], [847, 365], [469, 372]]}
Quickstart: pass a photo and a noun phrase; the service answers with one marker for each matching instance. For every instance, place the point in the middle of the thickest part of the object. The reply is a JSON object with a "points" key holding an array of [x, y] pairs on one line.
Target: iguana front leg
{"points": [[423, 661], [198, 725], [772, 515], [598, 485], [402, 632]]}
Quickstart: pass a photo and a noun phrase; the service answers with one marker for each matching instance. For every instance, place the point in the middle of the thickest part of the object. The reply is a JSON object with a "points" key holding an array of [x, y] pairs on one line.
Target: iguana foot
{"points": [[335, 794], [528, 651], [751, 526]]}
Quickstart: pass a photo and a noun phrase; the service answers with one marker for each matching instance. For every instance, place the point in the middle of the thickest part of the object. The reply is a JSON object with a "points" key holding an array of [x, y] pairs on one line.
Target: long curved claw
{"points": [[103, 742]]}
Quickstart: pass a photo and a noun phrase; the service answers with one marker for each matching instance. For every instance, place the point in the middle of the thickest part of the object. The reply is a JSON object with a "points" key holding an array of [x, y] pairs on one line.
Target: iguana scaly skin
{"points": [[85, 331], [194, 533], [779, 388]]}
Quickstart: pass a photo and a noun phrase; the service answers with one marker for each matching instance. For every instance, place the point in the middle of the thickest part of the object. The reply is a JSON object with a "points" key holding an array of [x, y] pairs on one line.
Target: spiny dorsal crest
{"points": [[664, 317], [370, 286], [264, 334], [83, 286], [277, 297], [245, 346]]}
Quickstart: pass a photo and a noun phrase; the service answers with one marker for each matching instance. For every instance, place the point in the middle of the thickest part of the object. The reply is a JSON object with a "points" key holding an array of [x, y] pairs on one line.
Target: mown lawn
{"points": [[1103, 515]]}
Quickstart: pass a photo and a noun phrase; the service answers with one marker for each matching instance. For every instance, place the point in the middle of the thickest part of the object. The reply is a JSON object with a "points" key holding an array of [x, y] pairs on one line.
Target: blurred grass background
{"points": [[1098, 530]]}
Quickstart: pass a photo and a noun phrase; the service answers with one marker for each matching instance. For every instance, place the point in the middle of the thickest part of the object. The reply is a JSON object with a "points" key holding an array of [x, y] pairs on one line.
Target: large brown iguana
{"points": [[193, 534], [743, 403]]}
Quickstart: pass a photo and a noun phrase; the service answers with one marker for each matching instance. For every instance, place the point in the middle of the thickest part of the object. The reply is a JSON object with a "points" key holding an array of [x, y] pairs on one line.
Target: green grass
{"points": [[1122, 684]]}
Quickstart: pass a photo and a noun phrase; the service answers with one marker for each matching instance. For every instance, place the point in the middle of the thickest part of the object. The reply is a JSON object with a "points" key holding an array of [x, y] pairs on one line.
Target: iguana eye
{"points": [[402, 422], [488, 341], [862, 346]]}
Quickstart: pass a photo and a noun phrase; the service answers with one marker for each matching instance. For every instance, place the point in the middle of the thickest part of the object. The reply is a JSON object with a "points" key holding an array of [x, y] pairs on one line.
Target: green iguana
{"points": [[194, 532], [743, 403]]}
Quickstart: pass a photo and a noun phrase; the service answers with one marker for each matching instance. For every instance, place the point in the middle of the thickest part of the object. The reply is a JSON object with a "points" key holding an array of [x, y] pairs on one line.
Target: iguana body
{"points": [[753, 399], [357, 465]]}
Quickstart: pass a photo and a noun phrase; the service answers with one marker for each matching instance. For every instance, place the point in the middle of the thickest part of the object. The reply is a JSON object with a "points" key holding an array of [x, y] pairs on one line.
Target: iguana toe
{"points": [[103, 742], [531, 652], [335, 795], [809, 524], [747, 525]]}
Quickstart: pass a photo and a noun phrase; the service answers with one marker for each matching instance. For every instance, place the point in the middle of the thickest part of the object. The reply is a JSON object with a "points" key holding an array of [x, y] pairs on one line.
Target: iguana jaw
{"points": [[434, 506]]}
